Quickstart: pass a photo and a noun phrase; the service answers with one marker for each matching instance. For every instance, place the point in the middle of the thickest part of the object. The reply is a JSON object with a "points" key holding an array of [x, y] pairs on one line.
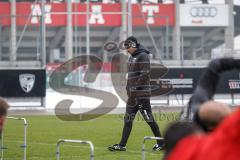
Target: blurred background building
{"points": [[42, 34]]}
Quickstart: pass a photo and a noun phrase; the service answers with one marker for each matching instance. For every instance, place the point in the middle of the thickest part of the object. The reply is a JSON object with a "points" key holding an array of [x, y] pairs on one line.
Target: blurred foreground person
{"points": [[3, 113], [205, 91], [211, 114], [221, 140], [177, 131], [223, 143]]}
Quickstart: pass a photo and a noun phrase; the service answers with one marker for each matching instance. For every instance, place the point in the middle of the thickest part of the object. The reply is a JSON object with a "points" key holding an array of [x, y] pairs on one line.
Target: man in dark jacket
{"points": [[138, 91]]}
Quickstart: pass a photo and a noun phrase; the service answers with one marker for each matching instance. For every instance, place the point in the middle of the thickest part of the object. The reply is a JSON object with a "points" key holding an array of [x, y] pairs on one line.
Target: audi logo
{"points": [[203, 12]]}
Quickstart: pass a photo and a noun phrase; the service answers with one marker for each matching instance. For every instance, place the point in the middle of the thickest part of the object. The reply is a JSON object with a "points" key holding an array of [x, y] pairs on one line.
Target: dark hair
{"points": [[204, 123], [3, 107], [176, 132]]}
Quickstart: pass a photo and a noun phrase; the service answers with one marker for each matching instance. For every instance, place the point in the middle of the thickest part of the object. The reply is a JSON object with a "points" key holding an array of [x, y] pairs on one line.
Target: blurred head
{"points": [[131, 44], [3, 112], [176, 132], [211, 114]]}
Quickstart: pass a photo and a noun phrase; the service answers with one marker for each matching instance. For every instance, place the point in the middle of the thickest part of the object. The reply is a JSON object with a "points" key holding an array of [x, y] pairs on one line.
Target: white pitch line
{"points": [[98, 148]]}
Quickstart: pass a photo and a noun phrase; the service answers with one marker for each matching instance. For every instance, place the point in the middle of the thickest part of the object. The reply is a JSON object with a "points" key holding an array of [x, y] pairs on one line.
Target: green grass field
{"points": [[44, 131]]}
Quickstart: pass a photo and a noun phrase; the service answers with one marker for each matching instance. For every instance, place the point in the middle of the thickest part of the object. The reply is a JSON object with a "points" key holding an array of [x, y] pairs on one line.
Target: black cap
{"points": [[131, 42], [132, 38]]}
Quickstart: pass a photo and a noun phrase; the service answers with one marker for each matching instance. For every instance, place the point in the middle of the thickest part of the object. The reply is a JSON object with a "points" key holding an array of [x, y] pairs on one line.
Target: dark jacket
{"points": [[138, 82]]}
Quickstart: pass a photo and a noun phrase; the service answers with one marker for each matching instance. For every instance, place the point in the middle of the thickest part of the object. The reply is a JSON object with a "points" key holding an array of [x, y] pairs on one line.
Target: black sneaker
{"points": [[116, 147], [158, 147]]}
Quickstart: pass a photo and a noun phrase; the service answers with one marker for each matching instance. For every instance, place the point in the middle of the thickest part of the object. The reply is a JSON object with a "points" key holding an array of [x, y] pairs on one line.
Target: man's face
{"points": [[129, 48]]}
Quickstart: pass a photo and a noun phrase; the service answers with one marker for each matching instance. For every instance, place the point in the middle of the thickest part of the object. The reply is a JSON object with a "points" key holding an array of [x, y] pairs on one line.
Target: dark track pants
{"points": [[133, 106]]}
